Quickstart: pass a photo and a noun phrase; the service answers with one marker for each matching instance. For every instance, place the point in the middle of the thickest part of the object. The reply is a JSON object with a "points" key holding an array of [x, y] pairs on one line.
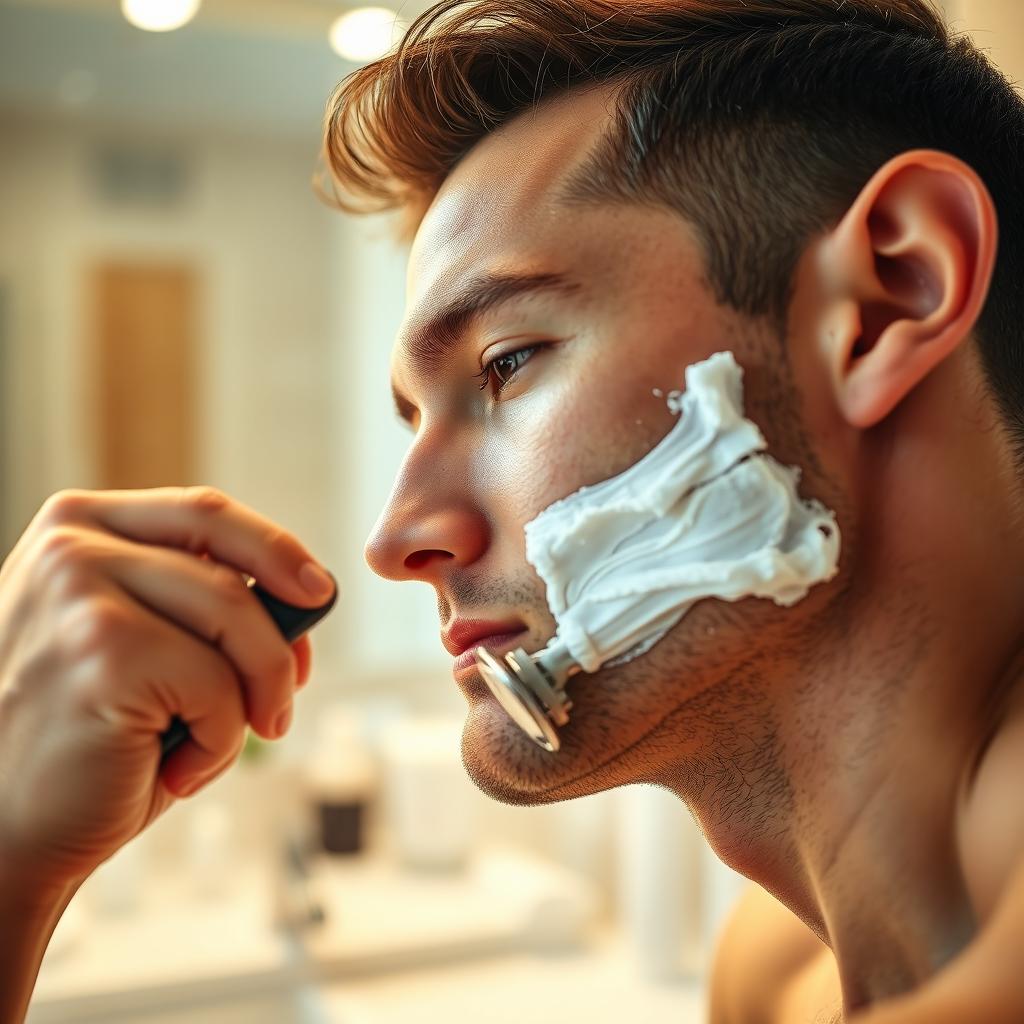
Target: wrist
{"points": [[22, 888], [30, 908]]}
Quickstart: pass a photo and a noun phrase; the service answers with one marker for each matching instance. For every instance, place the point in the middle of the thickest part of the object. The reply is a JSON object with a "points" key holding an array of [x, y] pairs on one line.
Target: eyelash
{"points": [[484, 376]]}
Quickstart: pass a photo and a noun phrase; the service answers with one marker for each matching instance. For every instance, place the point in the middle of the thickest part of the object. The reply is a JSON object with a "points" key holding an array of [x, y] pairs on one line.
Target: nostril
{"points": [[418, 560]]}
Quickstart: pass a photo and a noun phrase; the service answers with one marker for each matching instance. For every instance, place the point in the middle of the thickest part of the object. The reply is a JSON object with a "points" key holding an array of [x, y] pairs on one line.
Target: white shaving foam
{"points": [[706, 513]]}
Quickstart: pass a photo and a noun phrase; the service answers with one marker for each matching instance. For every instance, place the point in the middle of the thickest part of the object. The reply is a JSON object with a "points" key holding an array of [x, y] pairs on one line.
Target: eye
{"points": [[505, 367]]}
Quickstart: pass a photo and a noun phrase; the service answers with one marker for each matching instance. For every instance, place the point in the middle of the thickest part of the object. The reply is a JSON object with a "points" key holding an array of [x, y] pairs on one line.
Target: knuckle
{"points": [[280, 542], [95, 628], [229, 586], [68, 583], [61, 554], [90, 684], [205, 500], [64, 506]]}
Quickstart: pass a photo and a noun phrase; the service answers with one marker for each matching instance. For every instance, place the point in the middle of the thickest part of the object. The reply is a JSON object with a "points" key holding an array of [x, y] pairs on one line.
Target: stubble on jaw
{"points": [[683, 716]]}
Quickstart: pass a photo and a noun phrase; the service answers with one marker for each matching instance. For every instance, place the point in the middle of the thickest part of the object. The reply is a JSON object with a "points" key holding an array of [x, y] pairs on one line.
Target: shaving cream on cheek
{"points": [[706, 513]]}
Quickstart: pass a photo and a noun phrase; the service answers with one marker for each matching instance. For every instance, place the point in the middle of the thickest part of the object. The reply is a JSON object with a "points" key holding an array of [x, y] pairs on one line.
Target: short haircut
{"points": [[759, 121]]}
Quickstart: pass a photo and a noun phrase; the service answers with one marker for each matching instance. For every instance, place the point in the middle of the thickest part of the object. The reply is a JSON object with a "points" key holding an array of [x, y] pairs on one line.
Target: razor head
{"points": [[525, 691]]}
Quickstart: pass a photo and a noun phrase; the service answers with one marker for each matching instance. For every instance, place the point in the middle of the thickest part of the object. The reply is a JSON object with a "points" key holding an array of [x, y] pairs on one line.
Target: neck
{"points": [[893, 702], [876, 848]]}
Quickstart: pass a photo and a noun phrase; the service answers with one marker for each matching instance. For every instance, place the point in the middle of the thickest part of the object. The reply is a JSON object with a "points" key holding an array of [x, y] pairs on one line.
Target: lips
{"points": [[465, 635]]}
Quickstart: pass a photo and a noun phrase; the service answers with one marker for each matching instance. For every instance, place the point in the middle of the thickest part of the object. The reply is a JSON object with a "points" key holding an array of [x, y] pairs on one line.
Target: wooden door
{"points": [[145, 374]]}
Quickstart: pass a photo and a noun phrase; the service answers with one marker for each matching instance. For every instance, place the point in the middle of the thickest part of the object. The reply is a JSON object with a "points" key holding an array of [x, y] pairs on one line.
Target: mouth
{"points": [[497, 643], [465, 635]]}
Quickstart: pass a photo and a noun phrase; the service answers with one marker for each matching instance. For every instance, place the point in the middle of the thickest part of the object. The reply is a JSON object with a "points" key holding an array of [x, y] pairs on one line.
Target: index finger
{"points": [[204, 520]]}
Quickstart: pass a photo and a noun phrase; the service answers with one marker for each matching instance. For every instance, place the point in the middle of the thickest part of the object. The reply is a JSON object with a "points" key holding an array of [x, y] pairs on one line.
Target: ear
{"points": [[908, 269]]}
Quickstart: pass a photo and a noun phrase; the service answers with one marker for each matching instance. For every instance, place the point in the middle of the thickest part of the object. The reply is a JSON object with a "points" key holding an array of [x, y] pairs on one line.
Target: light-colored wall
{"points": [[394, 628], [252, 227], [996, 27]]}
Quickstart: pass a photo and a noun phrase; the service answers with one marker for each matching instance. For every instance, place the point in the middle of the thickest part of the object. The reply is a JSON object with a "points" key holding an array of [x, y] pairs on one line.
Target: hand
{"points": [[119, 610]]}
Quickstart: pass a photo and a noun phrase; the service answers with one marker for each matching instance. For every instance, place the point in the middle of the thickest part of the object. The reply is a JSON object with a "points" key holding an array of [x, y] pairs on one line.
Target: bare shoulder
{"points": [[990, 823], [763, 949]]}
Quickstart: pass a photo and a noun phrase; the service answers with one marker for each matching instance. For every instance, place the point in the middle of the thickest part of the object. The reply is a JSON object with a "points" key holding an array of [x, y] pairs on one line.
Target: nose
{"points": [[427, 528]]}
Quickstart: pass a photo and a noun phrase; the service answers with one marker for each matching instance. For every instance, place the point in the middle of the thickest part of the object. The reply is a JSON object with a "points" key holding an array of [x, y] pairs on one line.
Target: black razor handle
{"points": [[291, 620]]}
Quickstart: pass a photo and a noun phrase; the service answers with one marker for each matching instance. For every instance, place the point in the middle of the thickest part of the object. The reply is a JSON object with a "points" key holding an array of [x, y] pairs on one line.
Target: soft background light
{"points": [[159, 15], [365, 33]]}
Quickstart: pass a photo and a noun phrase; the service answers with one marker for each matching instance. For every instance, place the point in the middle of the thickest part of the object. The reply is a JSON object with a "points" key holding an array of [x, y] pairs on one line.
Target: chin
{"points": [[506, 765], [502, 761]]}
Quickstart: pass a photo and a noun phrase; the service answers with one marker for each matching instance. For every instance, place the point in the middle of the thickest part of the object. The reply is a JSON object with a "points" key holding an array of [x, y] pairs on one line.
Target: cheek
{"points": [[522, 468], [547, 448]]}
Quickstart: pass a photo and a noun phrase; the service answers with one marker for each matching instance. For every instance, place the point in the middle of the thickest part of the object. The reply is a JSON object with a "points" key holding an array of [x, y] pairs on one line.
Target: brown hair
{"points": [[758, 121]]}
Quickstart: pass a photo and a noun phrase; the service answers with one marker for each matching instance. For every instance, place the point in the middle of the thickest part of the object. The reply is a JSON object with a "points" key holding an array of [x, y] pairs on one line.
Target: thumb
{"points": [[188, 769]]}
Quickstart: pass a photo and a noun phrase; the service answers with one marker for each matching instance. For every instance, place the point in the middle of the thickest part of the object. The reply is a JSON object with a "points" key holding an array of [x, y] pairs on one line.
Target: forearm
{"points": [[28, 917]]}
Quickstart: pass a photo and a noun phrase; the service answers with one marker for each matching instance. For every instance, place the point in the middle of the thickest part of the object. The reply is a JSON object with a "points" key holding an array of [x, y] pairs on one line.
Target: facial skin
{"points": [[803, 739], [580, 410]]}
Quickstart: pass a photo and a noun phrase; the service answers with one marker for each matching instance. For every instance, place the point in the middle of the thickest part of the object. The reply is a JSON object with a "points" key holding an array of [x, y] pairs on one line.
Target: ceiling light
{"points": [[365, 33], [159, 15]]}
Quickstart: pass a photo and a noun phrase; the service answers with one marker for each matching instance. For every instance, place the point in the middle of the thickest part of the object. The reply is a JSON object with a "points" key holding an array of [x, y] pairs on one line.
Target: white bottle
{"points": [[430, 801]]}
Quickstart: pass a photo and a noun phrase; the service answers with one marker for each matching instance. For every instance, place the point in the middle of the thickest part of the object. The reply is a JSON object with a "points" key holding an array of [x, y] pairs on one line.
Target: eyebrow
{"points": [[432, 341]]}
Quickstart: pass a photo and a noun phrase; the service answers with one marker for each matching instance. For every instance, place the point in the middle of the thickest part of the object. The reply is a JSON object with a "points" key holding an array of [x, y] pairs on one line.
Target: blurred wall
{"points": [[247, 221], [996, 27], [394, 629]]}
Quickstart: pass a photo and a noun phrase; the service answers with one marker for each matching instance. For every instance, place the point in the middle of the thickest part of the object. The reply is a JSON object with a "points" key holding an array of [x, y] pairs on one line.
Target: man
{"points": [[601, 195]]}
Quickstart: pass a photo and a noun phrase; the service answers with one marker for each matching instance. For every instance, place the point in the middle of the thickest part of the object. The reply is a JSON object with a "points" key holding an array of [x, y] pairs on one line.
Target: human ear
{"points": [[909, 267]]}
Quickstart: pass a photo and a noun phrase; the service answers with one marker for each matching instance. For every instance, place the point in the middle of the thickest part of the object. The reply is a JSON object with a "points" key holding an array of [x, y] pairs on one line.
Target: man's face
{"points": [[569, 400]]}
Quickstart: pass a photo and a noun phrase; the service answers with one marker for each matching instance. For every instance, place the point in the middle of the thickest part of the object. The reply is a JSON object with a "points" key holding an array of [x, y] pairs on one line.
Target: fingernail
{"points": [[317, 583], [283, 721]]}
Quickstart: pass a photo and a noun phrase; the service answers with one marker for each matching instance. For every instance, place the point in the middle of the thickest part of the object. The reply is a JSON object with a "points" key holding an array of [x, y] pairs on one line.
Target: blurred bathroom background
{"points": [[177, 306]]}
